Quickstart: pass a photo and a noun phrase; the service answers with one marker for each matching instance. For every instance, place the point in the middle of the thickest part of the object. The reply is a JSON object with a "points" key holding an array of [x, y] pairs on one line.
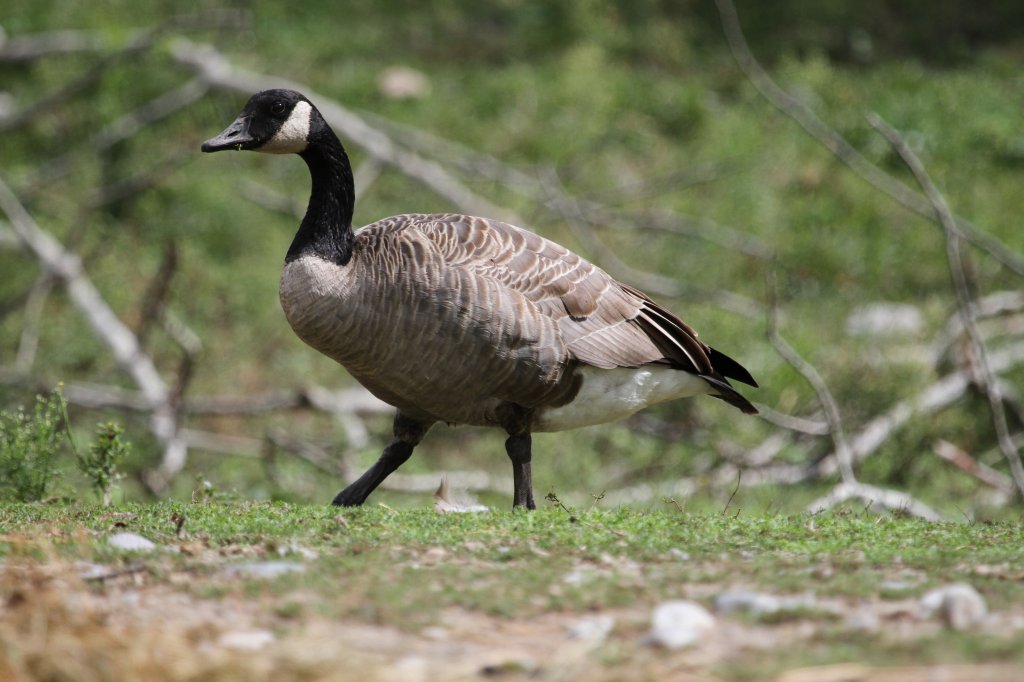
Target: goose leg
{"points": [[408, 433], [519, 451]]}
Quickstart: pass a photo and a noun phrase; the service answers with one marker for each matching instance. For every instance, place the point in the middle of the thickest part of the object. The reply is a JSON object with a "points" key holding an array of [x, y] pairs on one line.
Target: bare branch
{"points": [[108, 328], [963, 461], [811, 427], [998, 304], [891, 500], [27, 48], [842, 447], [955, 258], [843, 150], [129, 187], [155, 296], [29, 343], [935, 398]]}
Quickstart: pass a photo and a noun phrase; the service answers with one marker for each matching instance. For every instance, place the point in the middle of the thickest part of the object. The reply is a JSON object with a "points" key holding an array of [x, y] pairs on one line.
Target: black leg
{"points": [[408, 433], [518, 449]]}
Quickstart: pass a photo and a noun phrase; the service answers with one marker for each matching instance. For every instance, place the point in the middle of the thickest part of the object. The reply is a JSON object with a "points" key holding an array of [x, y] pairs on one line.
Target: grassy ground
{"points": [[418, 595]]}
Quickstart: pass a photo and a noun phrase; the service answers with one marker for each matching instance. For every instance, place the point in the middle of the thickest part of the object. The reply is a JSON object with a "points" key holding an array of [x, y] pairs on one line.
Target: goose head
{"points": [[273, 121]]}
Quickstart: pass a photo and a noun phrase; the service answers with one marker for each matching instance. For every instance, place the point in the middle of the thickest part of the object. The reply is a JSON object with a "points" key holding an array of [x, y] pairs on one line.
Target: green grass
{"points": [[777, 551]]}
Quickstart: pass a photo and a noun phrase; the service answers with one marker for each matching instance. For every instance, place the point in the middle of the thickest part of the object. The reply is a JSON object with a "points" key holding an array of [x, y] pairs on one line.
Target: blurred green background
{"points": [[637, 105]]}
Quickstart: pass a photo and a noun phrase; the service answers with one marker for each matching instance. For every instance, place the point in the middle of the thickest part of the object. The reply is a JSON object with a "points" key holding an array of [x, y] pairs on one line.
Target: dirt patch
{"points": [[63, 620]]}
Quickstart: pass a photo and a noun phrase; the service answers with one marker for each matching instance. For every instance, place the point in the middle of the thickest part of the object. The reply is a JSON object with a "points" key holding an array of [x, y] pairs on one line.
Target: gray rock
{"points": [[755, 603], [675, 624], [265, 569], [959, 605], [130, 542], [593, 630], [246, 640]]}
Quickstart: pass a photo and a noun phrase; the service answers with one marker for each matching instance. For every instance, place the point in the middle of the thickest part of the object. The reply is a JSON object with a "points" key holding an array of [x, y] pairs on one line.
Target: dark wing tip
{"points": [[728, 367], [729, 394]]}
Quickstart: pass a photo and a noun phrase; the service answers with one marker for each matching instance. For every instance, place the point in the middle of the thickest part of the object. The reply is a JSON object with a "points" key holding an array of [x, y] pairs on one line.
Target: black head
{"points": [[274, 121]]}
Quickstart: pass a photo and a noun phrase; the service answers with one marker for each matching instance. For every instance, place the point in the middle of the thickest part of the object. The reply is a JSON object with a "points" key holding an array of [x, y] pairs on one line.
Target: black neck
{"points": [[326, 230]]}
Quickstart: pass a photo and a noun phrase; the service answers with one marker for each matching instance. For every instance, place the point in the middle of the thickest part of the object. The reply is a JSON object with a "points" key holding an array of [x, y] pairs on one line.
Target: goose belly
{"points": [[609, 394], [419, 351]]}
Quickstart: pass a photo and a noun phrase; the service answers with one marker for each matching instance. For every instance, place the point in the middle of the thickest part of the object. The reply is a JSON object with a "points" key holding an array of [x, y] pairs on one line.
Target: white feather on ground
{"points": [[447, 501]]}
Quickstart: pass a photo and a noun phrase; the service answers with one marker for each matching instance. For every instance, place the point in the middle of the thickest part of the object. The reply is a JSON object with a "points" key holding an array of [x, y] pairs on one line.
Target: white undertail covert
{"points": [[610, 394]]}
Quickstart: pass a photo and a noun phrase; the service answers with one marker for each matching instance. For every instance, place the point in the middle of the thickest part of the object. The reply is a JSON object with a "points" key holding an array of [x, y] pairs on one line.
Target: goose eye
{"points": [[277, 108]]}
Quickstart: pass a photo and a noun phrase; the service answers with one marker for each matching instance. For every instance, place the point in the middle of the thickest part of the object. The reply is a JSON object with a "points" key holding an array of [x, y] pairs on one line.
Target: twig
{"points": [[365, 175], [272, 200], [843, 150], [129, 187], [192, 348], [996, 304], [739, 478], [811, 427], [962, 460], [892, 500], [34, 304], [842, 447], [955, 258], [155, 296], [27, 48]]}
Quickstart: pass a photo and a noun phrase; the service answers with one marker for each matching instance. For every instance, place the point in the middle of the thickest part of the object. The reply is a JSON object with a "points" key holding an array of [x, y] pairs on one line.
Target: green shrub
{"points": [[100, 464], [29, 445]]}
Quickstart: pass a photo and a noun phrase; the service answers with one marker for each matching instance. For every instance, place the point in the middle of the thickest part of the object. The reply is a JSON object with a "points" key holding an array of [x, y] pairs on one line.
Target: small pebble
{"points": [[594, 629], [246, 640], [959, 605], [130, 542], [265, 569], [675, 624], [755, 603]]}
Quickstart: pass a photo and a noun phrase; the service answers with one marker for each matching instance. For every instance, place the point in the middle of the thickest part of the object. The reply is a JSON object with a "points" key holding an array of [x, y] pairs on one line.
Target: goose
{"points": [[466, 320]]}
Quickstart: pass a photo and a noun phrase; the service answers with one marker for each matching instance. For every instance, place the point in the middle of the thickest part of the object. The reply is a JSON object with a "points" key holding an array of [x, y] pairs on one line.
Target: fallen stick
{"points": [[964, 462], [892, 500]]}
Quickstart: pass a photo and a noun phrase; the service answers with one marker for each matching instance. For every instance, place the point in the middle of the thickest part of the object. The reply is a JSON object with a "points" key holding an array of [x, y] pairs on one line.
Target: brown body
{"points": [[448, 317]]}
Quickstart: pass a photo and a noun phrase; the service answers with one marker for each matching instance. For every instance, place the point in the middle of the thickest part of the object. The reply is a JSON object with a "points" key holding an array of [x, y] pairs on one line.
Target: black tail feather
{"points": [[728, 367], [729, 394]]}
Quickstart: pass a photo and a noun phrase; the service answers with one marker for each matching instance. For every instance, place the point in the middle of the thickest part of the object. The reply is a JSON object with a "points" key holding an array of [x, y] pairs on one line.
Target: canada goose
{"points": [[466, 320]]}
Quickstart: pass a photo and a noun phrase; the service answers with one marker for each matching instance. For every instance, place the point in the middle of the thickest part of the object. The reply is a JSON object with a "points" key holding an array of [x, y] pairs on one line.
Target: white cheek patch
{"points": [[291, 138]]}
